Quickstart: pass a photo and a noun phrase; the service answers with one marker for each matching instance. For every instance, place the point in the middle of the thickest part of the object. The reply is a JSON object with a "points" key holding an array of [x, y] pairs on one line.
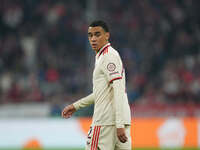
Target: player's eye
{"points": [[89, 35], [97, 34]]}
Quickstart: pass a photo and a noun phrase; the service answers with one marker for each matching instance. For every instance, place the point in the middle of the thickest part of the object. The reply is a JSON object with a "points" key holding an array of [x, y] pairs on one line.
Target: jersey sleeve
{"points": [[119, 103], [83, 102], [112, 67]]}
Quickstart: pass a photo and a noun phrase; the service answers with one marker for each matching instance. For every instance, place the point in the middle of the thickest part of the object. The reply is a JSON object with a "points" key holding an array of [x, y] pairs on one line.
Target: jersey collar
{"points": [[102, 49]]}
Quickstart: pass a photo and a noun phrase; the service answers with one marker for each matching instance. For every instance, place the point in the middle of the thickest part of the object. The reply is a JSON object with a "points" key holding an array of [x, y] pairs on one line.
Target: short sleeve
{"points": [[112, 67]]}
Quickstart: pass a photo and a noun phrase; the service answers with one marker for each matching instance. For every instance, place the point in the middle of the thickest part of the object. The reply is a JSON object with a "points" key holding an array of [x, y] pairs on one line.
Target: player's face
{"points": [[97, 37]]}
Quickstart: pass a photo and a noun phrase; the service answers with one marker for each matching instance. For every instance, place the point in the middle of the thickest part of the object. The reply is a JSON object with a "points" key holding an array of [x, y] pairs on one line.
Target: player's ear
{"points": [[107, 35]]}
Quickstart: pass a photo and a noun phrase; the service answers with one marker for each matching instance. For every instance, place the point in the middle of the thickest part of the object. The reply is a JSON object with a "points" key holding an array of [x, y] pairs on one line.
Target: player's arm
{"points": [[83, 102], [118, 102], [112, 67]]}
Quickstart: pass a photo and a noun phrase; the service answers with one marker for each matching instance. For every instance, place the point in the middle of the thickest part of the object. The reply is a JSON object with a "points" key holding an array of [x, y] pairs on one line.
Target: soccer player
{"points": [[110, 129]]}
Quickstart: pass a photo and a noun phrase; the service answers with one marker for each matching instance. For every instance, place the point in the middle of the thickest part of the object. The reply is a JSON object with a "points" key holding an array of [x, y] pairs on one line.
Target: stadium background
{"points": [[46, 63]]}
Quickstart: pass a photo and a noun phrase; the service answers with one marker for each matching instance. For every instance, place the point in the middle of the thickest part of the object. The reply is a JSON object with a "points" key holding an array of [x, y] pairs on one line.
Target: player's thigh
{"points": [[101, 138], [127, 145], [107, 138]]}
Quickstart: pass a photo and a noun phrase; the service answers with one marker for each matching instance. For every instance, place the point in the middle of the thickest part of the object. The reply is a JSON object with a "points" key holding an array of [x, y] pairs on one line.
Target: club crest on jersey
{"points": [[111, 67]]}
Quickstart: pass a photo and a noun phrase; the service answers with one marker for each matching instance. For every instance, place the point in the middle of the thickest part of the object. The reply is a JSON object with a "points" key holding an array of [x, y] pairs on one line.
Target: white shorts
{"points": [[105, 138]]}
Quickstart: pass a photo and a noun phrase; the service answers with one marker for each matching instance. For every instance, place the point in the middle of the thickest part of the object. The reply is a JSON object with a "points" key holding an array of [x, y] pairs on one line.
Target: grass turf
{"points": [[84, 149]]}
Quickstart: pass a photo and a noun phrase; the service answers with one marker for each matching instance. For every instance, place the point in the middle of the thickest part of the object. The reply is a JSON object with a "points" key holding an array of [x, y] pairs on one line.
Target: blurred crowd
{"points": [[159, 42], [44, 49]]}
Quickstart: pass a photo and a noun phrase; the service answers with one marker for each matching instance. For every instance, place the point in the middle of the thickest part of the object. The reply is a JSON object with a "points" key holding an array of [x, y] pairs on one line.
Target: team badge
{"points": [[111, 67]]}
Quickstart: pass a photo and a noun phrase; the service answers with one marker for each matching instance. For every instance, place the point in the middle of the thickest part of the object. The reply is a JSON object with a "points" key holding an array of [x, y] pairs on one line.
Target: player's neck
{"points": [[102, 47]]}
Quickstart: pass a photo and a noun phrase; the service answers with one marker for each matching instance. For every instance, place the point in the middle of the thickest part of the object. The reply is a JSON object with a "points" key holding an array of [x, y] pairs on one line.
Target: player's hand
{"points": [[121, 135], [68, 111]]}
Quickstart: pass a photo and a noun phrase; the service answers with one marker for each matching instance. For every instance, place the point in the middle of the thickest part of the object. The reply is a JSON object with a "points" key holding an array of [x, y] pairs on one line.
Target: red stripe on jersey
{"points": [[103, 49], [96, 145], [93, 137], [115, 79], [107, 50], [93, 146]]}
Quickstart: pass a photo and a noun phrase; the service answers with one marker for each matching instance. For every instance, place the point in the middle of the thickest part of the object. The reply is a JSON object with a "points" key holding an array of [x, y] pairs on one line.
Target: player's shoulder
{"points": [[111, 52], [111, 55]]}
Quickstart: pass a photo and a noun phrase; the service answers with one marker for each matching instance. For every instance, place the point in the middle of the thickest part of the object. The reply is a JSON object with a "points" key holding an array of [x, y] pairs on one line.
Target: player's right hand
{"points": [[68, 111], [122, 135]]}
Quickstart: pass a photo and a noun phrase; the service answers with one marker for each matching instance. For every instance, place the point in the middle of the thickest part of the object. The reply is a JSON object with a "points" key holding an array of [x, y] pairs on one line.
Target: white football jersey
{"points": [[109, 67]]}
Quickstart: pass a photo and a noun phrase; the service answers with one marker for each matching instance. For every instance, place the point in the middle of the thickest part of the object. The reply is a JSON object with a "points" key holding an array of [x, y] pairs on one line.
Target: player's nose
{"points": [[93, 39]]}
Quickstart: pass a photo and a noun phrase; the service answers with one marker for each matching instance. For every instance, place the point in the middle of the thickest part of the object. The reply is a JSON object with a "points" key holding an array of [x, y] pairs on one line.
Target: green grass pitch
{"points": [[84, 149]]}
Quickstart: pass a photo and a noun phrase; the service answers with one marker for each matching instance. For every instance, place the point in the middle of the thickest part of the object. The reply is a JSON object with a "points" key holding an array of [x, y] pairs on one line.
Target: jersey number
{"points": [[89, 133]]}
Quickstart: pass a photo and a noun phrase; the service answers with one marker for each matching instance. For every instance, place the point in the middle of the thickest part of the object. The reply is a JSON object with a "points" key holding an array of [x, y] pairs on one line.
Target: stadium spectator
{"points": [[159, 45]]}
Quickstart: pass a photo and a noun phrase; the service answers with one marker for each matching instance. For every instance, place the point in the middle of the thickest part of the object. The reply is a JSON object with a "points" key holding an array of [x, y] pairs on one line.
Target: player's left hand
{"points": [[121, 135], [68, 111]]}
